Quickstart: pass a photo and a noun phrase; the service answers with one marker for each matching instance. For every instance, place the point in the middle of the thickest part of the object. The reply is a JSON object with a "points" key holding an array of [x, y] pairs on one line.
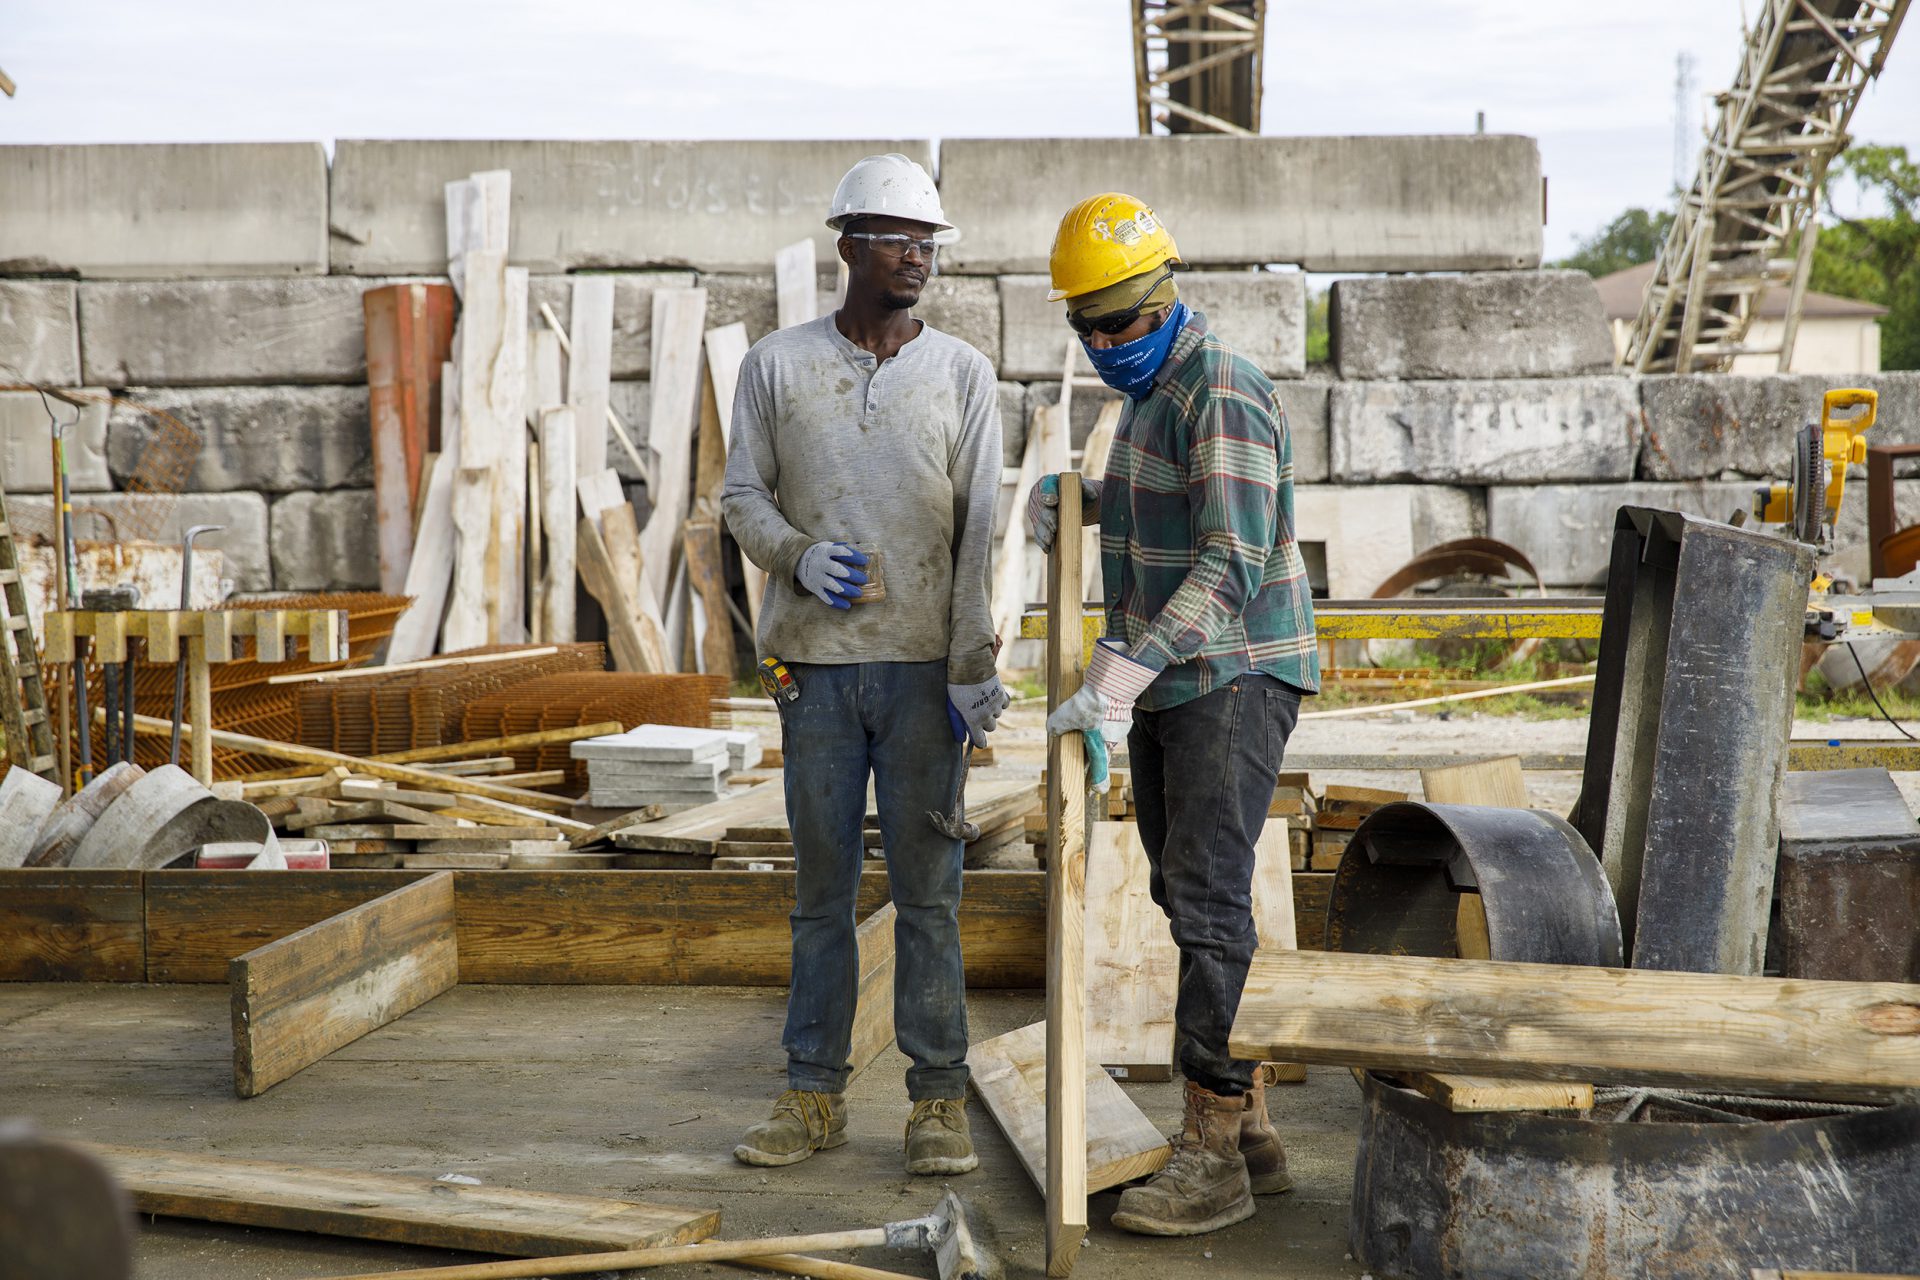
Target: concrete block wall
{"points": [[222, 285]]}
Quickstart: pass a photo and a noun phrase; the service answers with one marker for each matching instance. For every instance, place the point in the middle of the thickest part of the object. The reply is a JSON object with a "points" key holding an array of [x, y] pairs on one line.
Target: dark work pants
{"points": [[1203, 778], [890, 719]]}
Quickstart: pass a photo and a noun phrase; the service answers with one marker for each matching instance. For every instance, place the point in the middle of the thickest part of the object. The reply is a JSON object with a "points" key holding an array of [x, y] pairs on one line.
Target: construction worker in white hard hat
{"points": [[1209, 648], [867, 444]]}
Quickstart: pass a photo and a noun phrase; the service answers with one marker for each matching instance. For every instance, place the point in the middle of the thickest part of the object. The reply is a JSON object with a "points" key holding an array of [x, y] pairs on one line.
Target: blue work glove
{"points": [[827, 570], [1043, 508], [978, 707]]}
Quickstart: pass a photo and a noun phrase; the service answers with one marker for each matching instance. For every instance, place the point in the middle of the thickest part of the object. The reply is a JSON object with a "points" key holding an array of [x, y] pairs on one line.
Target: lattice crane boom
{"points": [[1804, 68]]}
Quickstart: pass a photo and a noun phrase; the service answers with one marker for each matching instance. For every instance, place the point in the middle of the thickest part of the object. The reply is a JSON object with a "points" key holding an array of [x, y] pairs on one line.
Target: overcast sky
{"points": [[1595, 84]]}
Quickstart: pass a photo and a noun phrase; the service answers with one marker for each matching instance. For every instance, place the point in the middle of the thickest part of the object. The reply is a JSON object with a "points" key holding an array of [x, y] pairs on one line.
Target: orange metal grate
{"points": [[566, 701]]}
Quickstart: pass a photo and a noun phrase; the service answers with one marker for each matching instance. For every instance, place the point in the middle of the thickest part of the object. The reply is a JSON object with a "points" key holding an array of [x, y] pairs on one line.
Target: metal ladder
{"points": [[23, 700]]}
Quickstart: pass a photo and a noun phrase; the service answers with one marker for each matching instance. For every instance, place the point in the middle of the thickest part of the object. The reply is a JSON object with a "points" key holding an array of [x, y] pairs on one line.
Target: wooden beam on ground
{"points": [[1565, 1022], [404, 1210], [298, 999], [1066, 1026], [1010, 1078], [873, 1011]]}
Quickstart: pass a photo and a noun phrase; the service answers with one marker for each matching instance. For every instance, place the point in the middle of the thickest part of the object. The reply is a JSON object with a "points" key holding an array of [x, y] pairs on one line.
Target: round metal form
{"points": [[26, 799], [1397, 888], [1658, 1185], [68, 824], [164, 815]]}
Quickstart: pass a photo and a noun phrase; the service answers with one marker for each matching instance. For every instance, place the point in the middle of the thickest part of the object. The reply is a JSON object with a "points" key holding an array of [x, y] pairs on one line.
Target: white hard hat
{"points": [[890, 186]]}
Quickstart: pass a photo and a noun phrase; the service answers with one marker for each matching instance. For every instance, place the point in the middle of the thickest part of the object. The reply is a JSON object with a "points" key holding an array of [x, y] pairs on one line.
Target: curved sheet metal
{"points": [[1397, 888]]}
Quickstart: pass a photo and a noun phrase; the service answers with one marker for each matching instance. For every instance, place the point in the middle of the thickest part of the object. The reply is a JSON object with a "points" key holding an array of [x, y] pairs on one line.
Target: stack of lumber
{"points": [[374, 823], [1116, 806], [1339, 814], [664, 765]]}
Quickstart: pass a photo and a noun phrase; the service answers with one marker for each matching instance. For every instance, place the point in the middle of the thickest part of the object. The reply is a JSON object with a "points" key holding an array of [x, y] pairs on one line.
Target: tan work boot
{"points": [[938, 1140], [1260, 1141], [1204, 1186], [802, 1123]]}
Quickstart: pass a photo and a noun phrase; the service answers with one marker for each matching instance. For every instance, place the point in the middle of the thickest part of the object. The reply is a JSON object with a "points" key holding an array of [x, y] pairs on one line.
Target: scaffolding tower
{"points": [[1756, 192], [1196, 66]]}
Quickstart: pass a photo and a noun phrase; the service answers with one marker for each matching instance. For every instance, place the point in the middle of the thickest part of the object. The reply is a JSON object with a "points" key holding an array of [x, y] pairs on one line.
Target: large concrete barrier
{"points": [[720, 206], [1487, 432], [265, 439], [1260, 314], [325, 542], [1495, 324], [39, 332], [106, 517], [632, 312], [165, 210], [26, 450], [1567, 529], [224, 332], [1355, 536], [1704, 425], [1444, 203]]}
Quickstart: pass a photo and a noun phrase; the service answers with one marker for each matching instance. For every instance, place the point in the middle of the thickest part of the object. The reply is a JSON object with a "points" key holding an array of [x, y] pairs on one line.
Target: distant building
{"points": [[1837, 335]]}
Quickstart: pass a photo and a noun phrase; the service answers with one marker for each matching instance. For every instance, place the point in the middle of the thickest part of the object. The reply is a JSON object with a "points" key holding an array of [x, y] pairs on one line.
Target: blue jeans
{"points": [[889, 718], [1203, 775]]}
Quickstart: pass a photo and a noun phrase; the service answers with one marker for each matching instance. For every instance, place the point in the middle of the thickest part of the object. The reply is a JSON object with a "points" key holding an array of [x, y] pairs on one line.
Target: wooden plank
{"points": [[679, 319], [597, 574], [1482, 1093], [1132, 964], [1010, 1078], [726, 348], [701, 829], [1561, 1022], [796, 284], [296, 1000], [557, 467], [429, 568], [199, 709], [590, 370], [1066, 1025], [621, 531], [709, 578], [72, 926], [619, 928], [476, 613], [1093, 465], [409, 335], [1010, 565], [873, 1009], [405, 1210]]}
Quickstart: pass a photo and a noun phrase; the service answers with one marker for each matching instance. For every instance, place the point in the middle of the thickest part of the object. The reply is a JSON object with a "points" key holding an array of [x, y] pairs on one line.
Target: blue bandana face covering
{"points": [[1130, 367]]}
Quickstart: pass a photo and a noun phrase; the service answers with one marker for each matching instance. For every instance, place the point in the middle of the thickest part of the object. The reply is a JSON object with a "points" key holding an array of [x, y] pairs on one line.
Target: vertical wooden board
{"points": [[873, 1011], [1499, 782], [623, 540], [796, 282], [430, 572], [1010, 568], [296, 1000], [602, 581], [546, 373], [726, 348], [679, 319], [473, 615], [590, 370], [200, 709], [709, 578], [710, 447], [1093, 465], [1132, 964], [1010, 1078], [392, 493], [405, 1210], [557, 471], [1066, 1024], [58, 925], [510, 512]]}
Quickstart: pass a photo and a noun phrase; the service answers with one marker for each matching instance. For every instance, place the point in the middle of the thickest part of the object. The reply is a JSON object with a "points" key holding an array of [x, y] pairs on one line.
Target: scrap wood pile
{"points": [[502, 469]]}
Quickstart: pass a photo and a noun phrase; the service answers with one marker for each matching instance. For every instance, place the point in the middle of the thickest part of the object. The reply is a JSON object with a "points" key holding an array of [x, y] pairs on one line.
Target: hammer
{"points": [[957, 827], [943, 1233]]}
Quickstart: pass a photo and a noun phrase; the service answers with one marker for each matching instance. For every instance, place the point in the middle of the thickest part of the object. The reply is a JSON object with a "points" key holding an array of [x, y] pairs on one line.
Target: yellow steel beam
{"points": [[1572, 619]]}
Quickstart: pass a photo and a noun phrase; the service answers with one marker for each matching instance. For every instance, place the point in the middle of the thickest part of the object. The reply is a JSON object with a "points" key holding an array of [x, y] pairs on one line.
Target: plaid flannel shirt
{"points": [[1202, 575]]}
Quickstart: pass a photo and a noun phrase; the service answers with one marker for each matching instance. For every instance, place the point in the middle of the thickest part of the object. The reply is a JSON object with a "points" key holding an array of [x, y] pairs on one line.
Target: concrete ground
{"points": [[626, 1092]]}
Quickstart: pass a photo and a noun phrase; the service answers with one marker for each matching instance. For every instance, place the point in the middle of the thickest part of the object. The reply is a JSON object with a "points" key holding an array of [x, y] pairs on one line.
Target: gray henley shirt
{"points": [[829, 444]]}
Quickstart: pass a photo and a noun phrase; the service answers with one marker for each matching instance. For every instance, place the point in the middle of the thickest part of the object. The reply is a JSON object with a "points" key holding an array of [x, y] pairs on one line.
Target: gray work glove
{"points": [[829, 571], [1043, 508], [976, 708]]}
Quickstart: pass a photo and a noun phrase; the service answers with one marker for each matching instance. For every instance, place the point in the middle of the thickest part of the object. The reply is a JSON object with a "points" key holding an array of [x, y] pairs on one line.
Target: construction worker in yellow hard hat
{"points": [[1209, 648]]}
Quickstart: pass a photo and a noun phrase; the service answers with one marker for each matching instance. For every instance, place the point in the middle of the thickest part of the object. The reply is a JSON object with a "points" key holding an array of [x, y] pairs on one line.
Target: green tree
{"points": [[1317, 334], [1630, 239], [1875, 257]]}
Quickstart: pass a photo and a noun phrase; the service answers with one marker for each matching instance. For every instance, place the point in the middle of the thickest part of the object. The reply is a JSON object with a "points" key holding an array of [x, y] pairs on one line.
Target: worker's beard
{"points": [[899, 299]]}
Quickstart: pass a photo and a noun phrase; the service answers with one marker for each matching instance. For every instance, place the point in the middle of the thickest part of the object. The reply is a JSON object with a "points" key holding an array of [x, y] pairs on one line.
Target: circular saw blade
{"points": [[1809, 485]]}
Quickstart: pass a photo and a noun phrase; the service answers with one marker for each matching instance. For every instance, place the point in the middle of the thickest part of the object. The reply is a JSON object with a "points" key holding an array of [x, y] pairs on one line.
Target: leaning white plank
{"points": [[474, 614], [1010, 569], [1133, 966], [431, 570], [796, 282], [679, 319], [477, 208], [726, 349], [590, 368], [509, 393], [557, 488]]}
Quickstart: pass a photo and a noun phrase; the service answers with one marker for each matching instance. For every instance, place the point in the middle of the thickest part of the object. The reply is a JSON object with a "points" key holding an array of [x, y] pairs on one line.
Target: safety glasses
{"points": [[1120, 321], [895, 245]]}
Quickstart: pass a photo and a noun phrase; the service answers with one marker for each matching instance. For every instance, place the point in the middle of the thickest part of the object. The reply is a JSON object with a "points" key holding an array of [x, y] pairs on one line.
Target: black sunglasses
{"points": [[1120, 321]]}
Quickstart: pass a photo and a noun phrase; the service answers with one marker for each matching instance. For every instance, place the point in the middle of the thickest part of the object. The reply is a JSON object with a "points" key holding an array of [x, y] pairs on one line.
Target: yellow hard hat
{"points": [[1103, 240]]}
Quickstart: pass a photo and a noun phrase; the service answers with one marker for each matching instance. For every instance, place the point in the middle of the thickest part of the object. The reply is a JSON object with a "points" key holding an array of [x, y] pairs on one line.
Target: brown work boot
{"points": [[1260, 1141], [1204, 1186], [938, 1140], [802, 1123]]}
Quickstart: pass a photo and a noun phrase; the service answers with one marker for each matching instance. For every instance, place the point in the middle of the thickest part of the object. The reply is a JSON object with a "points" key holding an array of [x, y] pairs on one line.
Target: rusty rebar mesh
{"points": [[567, 701], [160, 473], [376, 714]]}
